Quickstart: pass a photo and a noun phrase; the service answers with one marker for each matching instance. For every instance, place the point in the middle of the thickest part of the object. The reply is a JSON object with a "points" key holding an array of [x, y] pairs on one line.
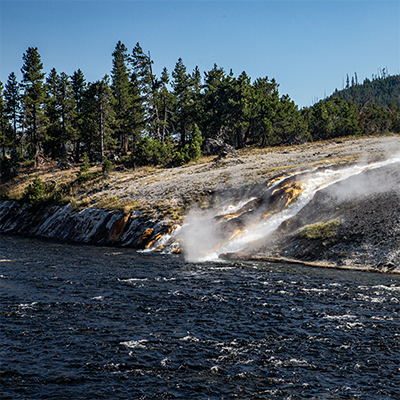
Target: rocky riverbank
{"points": [[144, 208], [353, 224]]}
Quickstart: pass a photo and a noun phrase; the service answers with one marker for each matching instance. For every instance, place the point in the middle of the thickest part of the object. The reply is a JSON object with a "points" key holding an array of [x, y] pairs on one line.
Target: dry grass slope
{"points": [[169, 193]]}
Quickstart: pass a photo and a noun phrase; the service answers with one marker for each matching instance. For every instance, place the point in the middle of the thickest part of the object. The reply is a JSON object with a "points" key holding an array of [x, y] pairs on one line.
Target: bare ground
{"points": [[178, 186], [176, 189], [369, 230]]}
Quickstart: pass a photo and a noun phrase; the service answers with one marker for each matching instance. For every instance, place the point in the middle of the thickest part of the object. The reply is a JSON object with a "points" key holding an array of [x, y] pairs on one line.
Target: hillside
{"points": [[169, 192], [382, 91], [199, 208]]}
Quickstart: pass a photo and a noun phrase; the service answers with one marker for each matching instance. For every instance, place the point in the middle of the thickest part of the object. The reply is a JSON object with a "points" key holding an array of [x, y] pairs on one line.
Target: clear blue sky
{"points": [[307, 46]]}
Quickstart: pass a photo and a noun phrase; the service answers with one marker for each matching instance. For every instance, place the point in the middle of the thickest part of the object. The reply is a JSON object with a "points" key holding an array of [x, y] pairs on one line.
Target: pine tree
{"points": [[194, 145], [60, 112], [65, 100], [4, 124], [78, 94], [99, 111], [196, 106], [239, 106], [33, 99], [290, 126], [266, 100], [182, 91], [52, 143], [167, 104], [213, 103], [187, 93], [121, 91], [142, 67], [13, 97], [136, 118]]}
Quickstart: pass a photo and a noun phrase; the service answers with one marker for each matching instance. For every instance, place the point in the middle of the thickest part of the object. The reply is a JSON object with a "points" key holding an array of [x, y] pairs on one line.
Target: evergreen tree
{"points": [[99, 115], [136, 115], [239, 106], [52, 144], [333, 118], [33, 99], [78, 94], [150, 112], [142, 67], [88, 141], [322, 120], [348, 121], [382, 91], [290, 126], [4, 125], [12, 97], [167, 106], [66, 102], [267, 101], [394, 117], [214, 103], [196, 109], [121, 91], [193, 148], [181, 85]]}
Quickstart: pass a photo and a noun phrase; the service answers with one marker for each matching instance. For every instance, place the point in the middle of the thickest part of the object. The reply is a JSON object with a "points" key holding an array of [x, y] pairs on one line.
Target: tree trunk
{"points": [[101, 133], [264, 140], [153, 94], [77, 150], [239, 137], [35, 140], [183, 137], [63, 149], [15, 138], [164, 122], [124, 143]]}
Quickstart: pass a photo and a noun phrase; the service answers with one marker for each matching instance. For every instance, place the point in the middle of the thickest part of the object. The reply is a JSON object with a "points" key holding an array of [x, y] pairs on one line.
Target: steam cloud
{"points": [[203, 240]]}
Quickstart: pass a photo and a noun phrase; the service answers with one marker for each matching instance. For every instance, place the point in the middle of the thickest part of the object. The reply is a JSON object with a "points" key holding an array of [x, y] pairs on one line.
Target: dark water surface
{"points": [[80, 322]]}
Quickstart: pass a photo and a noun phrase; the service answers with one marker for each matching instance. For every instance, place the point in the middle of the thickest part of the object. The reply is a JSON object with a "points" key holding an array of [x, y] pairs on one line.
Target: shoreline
{"points": [[163, 198]]}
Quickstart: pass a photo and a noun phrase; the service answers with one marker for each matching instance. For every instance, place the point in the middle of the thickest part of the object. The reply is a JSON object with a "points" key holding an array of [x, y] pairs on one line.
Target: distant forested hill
{"points": [[381, 90]]}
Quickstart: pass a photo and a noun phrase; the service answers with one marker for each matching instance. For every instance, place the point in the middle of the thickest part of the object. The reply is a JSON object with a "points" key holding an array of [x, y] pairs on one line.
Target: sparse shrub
{"points": [[155, 152], [320, 230], [178, 159], [35, 192], [193, 148], [127, 209], [107, 166], [88, 176], [85, 165], [84, 175], [83, 172], [152, 152]]}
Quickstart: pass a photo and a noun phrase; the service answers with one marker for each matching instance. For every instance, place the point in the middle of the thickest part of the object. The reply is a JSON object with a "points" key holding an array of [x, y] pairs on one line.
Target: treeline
{"points": [[145, 119], [382, 89]]}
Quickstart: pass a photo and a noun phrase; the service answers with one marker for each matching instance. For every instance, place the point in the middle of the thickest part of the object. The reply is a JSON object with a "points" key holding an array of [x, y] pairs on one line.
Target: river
{"points": [[82, 322]]}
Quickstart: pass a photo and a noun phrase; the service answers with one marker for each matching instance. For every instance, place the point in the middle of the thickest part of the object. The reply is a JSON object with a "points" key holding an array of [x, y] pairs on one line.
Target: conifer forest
{"points": [[138, 118]]}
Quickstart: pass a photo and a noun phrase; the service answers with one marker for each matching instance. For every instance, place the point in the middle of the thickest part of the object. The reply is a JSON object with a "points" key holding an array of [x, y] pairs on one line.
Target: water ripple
{"points": [[76, 323]]}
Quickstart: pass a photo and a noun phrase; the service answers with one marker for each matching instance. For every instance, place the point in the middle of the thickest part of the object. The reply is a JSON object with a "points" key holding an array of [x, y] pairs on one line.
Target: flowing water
{"points": [[81, 322], [200, 228]]}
